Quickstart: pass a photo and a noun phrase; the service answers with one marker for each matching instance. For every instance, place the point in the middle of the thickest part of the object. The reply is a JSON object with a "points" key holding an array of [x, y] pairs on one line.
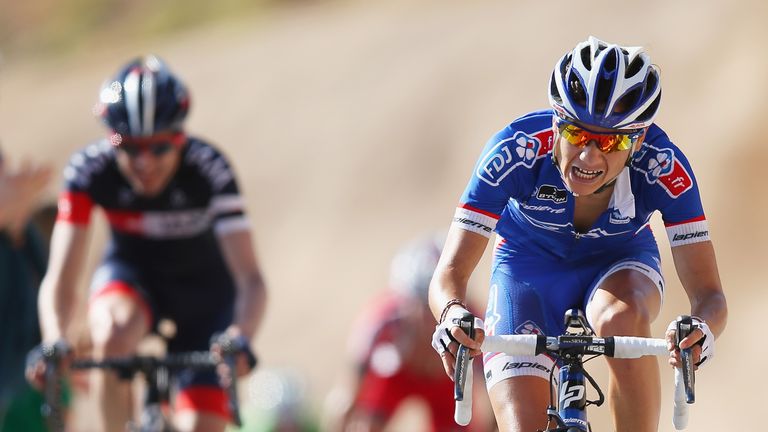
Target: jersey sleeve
{"points": [[677, 196], [502, 171], [227, 206], [75, 202]]}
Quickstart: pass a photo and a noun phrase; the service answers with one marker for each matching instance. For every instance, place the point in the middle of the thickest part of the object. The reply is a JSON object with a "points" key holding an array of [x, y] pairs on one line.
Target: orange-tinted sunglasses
{"points": [[607, 142]]}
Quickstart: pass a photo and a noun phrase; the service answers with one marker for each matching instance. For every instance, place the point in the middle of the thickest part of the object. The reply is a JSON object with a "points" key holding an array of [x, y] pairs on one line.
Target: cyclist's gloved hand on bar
{"points": [[448, 336], [701, 339], [226, 344], [59, 352]]}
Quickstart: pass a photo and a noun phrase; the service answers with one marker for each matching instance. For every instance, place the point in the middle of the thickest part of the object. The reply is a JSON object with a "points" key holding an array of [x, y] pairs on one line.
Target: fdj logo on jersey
{"points": [[521, 149]]}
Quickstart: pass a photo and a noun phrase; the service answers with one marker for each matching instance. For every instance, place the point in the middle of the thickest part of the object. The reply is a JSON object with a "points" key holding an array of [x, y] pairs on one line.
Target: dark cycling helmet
{"points": [[143, 98], [606, 85], [413, 265]]}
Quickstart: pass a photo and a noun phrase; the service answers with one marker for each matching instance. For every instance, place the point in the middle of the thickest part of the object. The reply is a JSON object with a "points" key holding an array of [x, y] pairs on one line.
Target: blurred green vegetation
{"points": [[34, 27]]}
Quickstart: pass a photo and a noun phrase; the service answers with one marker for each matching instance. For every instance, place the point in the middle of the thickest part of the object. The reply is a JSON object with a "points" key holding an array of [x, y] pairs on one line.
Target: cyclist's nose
{"points": [[590, 151], [142, 160]]}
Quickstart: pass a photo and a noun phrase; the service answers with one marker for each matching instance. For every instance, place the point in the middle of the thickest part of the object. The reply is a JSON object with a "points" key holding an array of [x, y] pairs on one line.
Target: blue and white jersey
{"points": [[517, 191]]}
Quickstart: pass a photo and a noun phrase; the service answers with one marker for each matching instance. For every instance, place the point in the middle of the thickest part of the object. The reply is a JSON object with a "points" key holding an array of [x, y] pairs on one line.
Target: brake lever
{"points": [[229, 359], [51, 407], [467, 325], [684, 328]]}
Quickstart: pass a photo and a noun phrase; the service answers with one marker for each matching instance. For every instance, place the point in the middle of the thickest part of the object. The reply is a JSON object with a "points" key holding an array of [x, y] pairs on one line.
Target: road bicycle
{"points": [[158, 372], [570, 349]]}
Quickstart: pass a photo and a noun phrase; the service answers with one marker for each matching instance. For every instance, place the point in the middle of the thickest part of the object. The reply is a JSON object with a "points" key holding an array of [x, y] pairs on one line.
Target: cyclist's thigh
{"points": [[526, 297], [628, 293], [520, 403], [119, 311]]}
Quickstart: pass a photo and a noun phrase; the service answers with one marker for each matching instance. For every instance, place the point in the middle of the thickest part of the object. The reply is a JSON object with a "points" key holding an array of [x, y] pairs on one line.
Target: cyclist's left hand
{"points": [[237, 345], [701, 339]]}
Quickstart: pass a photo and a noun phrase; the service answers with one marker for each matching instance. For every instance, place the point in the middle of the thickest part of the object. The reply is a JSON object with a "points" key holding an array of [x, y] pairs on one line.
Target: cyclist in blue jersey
{"points": [[570, 192], [180, 246]]}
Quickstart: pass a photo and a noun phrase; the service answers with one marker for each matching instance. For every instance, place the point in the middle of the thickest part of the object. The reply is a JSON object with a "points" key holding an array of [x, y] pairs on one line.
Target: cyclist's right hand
{"points": [[40, 357], [448, 335]]}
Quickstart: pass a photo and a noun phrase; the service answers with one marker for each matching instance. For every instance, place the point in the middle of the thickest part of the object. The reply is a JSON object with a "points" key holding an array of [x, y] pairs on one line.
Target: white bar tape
{"points": [[511, 344], [633, 347]]}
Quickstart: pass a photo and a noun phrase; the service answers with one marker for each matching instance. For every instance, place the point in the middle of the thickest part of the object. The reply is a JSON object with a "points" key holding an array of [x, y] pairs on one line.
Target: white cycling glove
{"points": [[707, 342], [442, 337]]}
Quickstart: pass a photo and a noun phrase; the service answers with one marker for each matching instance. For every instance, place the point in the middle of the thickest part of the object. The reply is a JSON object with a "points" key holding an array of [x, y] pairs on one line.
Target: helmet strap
{"points": [[605, 186]]}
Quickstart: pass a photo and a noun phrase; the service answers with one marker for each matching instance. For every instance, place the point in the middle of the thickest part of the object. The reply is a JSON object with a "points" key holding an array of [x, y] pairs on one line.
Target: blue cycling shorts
{"points": [[530, 294]]}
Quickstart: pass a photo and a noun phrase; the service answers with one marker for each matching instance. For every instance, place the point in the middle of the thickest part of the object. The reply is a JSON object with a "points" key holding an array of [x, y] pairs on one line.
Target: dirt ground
{"points": [[354, 127]]}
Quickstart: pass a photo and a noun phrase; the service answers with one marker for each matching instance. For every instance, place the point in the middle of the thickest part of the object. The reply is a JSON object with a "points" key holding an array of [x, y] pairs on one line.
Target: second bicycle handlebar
{"points": [[127, 367]]}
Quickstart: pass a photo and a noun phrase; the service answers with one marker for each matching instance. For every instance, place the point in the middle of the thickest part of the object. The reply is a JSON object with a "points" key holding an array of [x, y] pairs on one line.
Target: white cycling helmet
{"points": [[606, 85], [413, 266]]}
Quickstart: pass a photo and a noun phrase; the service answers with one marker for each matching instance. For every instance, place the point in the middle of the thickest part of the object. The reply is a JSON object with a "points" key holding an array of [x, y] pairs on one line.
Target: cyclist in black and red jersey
{"points": [[180, 245]]}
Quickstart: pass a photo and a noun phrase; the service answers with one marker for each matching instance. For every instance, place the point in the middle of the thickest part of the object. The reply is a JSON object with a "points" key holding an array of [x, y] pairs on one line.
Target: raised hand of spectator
{"points": [[19, 190]]}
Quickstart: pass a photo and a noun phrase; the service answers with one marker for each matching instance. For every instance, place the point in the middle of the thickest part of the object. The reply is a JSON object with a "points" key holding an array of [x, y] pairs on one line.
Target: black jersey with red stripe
{"points": [[173, 233]]}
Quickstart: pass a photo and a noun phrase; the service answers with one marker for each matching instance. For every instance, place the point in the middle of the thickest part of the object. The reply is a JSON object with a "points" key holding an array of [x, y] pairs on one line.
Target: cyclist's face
{"points": [[585, 169], [148, 167]]}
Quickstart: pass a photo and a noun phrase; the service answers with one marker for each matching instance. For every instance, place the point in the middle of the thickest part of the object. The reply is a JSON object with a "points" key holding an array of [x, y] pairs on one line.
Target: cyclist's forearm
{"points": [[56, 306], [250, 305], [713, 309], [444, 288], [58, 299], [461, 254]]}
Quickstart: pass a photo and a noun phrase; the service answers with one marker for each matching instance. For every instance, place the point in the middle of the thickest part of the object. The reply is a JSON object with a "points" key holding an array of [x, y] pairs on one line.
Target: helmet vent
{"points": [[586, 58], [604, 88], [628, 100], [553, 90], [610, 62], [634, 67], [578, 94], [651, 110], [652, 81]]}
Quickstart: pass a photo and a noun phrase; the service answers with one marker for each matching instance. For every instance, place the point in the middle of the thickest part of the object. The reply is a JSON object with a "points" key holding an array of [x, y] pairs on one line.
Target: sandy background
{"points": [[354, 127]]}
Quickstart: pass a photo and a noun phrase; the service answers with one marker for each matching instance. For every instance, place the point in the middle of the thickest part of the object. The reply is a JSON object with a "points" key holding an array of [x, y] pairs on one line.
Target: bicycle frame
{"points": [[571, 414]]}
